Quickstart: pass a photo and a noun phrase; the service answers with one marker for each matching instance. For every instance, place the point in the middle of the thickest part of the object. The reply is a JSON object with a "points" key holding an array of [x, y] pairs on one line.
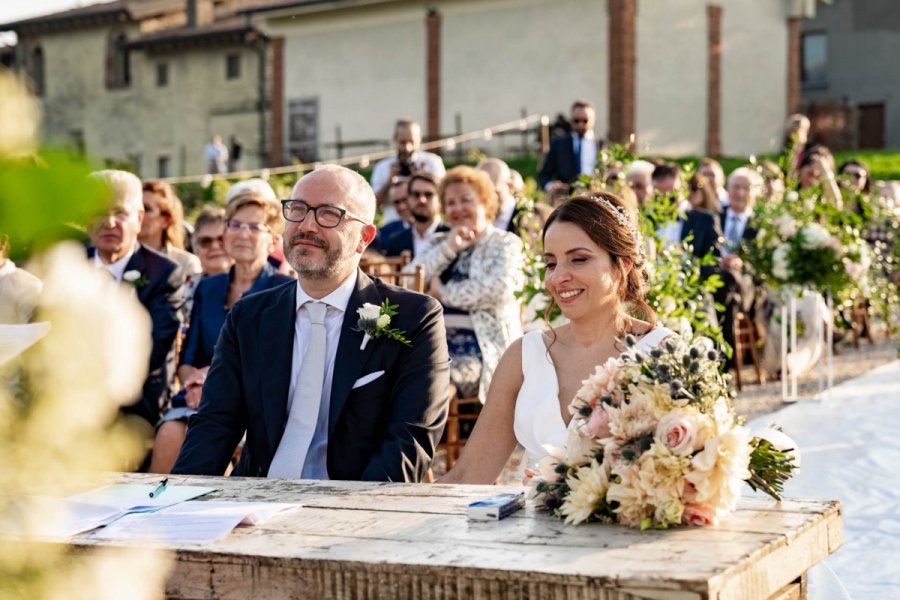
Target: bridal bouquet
{"points": [[656, 443]]}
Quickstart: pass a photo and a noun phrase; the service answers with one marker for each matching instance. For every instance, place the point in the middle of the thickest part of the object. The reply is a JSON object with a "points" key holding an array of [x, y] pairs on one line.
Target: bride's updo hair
{"points": [[605, 218]]}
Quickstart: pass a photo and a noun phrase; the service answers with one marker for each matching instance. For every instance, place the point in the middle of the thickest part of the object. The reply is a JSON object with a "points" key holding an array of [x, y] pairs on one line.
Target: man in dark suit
{"points": [[157, 281], [320, 394], [424, 205], [573, 154], [738, 293], [398, 192]]}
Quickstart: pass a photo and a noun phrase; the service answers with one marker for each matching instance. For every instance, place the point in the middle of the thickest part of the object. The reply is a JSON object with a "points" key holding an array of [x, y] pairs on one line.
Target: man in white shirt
{"points": [[738, 293], [571, 155], [409, 160], [325, 382], [157, 281], [424, 204], [216, 156]]}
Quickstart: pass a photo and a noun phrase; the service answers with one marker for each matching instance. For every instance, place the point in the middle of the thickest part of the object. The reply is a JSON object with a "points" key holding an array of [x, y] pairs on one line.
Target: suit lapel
{"points": [[350, 360], [138, 263], [275, 354]]}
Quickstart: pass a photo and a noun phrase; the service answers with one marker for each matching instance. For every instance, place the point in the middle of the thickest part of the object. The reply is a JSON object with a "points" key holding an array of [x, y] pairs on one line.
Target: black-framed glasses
{"points": [[238, 226], [325, 214]]}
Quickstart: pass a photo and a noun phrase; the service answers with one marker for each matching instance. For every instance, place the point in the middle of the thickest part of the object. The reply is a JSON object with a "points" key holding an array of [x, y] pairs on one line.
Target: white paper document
{"points": [[190, 522]]}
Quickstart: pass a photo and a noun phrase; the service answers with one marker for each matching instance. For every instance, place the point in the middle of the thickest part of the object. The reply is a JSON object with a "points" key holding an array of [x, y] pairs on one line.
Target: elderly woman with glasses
{"points": [[251, 221]]}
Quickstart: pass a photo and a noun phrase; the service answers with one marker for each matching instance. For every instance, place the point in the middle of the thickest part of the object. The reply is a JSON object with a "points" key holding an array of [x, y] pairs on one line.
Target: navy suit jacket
{"points": [[403, 240], [208, 313], [162, 295], [560, 162], [707, 233], [385, 430], [385, 233], [749, 230]]}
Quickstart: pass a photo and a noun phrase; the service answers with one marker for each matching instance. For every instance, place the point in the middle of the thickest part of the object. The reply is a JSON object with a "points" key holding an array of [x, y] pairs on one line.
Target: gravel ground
{"points": [[755, 399]]}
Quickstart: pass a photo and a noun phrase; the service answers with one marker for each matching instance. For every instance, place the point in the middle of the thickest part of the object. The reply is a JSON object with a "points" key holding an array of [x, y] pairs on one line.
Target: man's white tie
{"points": [[304, 408]]}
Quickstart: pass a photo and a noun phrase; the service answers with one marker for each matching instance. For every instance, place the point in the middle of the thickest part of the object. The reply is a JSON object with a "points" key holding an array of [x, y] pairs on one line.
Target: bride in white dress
{"points": [[595, 270]]}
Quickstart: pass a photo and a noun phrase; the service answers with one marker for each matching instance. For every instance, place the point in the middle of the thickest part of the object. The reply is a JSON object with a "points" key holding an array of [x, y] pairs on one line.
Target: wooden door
{"points": [[871, 126]]}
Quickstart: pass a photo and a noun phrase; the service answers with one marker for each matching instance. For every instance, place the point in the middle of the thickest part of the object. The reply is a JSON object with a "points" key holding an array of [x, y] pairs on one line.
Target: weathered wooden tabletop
{"points": [[373, 540]]}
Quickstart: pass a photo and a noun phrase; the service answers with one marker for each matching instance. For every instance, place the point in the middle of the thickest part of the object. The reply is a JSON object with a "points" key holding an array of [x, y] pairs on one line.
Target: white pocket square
{"points": [[367, 379]]}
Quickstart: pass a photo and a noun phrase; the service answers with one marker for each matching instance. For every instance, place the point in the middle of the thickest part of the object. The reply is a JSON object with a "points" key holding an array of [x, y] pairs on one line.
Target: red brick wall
{"points": [[276, 150], [622, 65], [714, 80], [433, 72], [793, 66]]}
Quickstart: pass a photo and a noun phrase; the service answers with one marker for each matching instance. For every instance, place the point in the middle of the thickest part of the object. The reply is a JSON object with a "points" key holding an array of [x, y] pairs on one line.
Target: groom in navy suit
{"points": [[318, 397], [157, 281], [572, 154]]}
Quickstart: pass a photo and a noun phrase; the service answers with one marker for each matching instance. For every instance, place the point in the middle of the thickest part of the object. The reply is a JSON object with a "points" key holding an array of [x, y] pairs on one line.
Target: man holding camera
{"points": [[409, 160]]}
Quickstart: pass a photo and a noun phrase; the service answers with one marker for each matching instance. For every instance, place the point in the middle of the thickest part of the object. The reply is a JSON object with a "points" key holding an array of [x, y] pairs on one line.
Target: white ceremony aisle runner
{"points": [[850, 451]]}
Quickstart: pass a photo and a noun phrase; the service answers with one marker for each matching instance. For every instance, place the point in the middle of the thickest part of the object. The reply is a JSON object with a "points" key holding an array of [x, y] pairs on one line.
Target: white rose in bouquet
{"points": [[780, 265], [814, 236]]}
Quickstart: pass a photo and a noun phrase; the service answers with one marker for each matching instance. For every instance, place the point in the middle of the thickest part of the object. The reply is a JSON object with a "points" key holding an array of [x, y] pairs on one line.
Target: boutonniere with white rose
{"points": [[135, 278], [375, 322]]}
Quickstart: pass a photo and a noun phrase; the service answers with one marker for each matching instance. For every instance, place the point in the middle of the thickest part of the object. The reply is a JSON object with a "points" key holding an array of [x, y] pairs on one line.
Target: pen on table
{"points": [[160, 488]]}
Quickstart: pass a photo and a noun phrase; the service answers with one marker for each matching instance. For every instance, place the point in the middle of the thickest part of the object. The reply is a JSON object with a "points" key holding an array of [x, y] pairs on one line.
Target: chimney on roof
{"points": [[200, 13]]}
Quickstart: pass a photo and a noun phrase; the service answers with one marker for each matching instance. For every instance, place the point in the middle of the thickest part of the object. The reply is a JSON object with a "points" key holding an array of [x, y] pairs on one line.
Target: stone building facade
{"points": [[146, 83]]}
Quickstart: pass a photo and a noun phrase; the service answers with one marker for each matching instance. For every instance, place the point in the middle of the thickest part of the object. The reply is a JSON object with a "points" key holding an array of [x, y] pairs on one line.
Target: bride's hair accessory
{"points": [[622, 217]]}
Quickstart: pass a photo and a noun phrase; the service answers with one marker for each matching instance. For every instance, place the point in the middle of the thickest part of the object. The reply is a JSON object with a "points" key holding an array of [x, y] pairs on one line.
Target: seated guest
{"points": [[156, 279], [262, 190], [665, 178], [474, 270], [250, 222], [424, 205], [712, 170], [398, 193], [163, 226], [702, 196], [855, 178], [738, 294], [817, 169], [773, 178], [209, 243], [640, 179], [19, 289], [508, 214]]}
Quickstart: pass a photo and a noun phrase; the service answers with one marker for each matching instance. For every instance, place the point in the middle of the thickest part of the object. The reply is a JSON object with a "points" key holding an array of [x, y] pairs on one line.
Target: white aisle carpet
{"points": [[850, 451]]}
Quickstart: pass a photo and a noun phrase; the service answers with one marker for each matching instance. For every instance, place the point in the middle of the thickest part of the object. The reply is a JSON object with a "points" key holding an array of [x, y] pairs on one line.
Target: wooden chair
{"points": [[412, 281], [860, 325], [745, 338], [453, 441], [377, 265]]}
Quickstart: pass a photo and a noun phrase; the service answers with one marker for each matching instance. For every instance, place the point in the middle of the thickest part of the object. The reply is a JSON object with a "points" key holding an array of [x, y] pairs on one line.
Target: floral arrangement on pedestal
{"points": [[656, 443], [797, 247]]}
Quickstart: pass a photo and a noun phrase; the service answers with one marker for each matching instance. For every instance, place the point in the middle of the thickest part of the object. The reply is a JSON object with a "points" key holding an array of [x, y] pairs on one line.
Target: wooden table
{"points": [[371, 540]]}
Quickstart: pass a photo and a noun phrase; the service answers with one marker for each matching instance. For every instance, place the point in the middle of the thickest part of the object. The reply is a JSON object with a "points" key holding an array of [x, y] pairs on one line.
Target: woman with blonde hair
{"points": [[163, 226]]}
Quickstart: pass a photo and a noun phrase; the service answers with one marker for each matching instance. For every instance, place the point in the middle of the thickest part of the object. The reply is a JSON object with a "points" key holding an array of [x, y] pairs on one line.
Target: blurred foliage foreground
{"points": [[63, 376]]}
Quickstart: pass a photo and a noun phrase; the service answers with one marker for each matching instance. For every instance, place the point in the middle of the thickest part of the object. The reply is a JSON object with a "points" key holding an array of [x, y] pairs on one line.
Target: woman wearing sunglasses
{"points": [[252, 220]]}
